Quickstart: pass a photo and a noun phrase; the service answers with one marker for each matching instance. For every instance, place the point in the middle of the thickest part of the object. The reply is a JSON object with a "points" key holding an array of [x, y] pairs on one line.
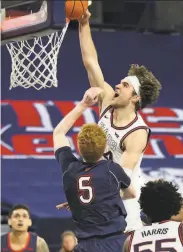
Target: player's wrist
{"points": [[82, 105], [84, 24]]}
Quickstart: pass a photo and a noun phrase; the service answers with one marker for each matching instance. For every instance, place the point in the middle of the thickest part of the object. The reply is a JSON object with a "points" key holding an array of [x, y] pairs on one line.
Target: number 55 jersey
{"points": [[166, 236]]}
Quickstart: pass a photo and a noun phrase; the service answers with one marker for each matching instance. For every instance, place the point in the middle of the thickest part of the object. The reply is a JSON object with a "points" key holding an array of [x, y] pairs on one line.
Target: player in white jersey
{"points": [[159, 200], [126, 131], [115, 141]]}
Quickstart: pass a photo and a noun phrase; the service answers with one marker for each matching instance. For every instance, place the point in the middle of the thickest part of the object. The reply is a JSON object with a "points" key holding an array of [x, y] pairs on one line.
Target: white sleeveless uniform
{"points": [[115, 138], [166, 236]]}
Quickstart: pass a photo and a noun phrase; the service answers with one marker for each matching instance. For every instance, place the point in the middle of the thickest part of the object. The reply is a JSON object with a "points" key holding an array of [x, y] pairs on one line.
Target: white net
{"points": [[34, 62]]}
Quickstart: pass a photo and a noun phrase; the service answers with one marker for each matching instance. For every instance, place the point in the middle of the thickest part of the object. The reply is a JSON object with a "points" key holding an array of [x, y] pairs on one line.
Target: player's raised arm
{"points": [[90, 60], [60, 131], [61, 144]]}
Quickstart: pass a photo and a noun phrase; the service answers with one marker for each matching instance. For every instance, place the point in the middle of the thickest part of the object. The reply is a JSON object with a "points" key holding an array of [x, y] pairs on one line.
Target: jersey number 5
{"points": [[85, 189]]}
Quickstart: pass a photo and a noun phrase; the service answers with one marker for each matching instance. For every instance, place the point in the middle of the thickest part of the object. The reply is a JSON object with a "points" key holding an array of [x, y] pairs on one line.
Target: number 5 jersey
{"points": [[165, 236]]}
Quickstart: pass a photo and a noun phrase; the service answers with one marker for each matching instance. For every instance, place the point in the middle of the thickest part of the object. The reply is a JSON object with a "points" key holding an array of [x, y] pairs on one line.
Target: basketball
{"points": [[75, 8]]}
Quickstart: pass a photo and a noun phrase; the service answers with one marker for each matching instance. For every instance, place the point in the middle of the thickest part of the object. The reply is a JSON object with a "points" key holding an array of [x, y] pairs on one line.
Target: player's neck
{"points": [[18, 237], [123, 116]]}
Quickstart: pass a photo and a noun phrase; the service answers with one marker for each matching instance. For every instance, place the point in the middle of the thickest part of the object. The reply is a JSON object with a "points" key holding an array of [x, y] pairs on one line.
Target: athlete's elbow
{"points": [[90, 61], [133, 195], [129, 193], [132, 192]]}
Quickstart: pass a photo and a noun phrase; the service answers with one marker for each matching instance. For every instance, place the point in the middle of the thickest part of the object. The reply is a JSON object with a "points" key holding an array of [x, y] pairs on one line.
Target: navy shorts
{"points": [[113, 243]]}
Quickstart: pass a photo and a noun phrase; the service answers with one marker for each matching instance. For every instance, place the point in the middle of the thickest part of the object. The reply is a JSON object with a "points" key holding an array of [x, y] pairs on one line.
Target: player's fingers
{"points": [[59, 206], [63, 205], [88, 14], [96, 91]]}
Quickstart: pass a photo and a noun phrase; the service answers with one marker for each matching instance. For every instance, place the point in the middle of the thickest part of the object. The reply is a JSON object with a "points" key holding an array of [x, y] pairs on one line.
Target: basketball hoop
{"points": [[34, 63]]}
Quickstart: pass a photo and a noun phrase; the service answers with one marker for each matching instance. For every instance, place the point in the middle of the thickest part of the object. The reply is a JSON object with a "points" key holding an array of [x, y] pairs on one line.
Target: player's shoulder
{"points": [[108, 164], [114, 164], [42, 245], [103, 167], [63, 149], [138, 122], [171, 223], [39, 239]]}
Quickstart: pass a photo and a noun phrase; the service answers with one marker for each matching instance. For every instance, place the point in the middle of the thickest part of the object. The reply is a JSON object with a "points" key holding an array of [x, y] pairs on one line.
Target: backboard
{"points": [[23, 20]]}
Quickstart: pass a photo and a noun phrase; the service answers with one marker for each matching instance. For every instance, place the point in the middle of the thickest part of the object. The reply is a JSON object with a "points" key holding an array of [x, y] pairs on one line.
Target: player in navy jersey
{"points": [[19, 239], [92, 185]]}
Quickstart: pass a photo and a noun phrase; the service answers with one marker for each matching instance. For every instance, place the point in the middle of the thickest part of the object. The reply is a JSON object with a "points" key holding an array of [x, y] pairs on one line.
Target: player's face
{"points": [[124, 95], [69, 242], [20, 220], [178, 217]]}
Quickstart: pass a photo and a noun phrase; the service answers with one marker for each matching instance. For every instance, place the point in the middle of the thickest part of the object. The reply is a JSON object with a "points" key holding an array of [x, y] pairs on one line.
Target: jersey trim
{"points": [[132, 130], [161, 222], [26, 245], [130, 241], [105, 110], [125, 127], [180, 232]]}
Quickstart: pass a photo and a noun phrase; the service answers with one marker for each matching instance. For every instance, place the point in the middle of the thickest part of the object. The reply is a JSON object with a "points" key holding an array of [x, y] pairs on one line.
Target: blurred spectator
{"points": [[69, 241]]}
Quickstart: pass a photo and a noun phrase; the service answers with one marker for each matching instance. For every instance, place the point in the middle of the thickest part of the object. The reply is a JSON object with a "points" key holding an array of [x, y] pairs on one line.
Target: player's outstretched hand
{"points": [[91, 96], [85, 18], [63, 205]]}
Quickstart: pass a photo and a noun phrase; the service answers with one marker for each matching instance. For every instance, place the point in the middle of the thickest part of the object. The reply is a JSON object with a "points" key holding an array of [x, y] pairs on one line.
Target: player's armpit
{"points": [[42, 245], [134, 145]]}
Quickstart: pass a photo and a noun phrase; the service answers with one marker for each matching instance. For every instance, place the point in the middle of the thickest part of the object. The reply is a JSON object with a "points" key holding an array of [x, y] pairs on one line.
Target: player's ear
{"points": [[76, 240], [30, 223], [9, 222], [135, 98]]}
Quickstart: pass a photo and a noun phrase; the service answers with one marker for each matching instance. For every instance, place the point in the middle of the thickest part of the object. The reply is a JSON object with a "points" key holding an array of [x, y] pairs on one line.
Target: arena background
{"points": [[30, 173]]}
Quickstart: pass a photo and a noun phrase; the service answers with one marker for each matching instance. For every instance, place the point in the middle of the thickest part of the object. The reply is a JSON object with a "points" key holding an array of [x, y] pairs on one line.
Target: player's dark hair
{"points": [[160, 200], [150, 87], [91, 142], [17, 207]]}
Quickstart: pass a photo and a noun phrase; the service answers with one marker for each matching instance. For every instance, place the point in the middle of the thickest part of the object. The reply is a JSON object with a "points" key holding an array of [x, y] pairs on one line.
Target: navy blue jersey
{"points": [[93, 194], [31, 245]]}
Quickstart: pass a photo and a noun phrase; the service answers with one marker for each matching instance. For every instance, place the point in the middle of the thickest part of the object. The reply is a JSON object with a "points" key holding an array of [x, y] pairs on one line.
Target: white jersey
{"points": [[114, 151], [165, 236]]}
